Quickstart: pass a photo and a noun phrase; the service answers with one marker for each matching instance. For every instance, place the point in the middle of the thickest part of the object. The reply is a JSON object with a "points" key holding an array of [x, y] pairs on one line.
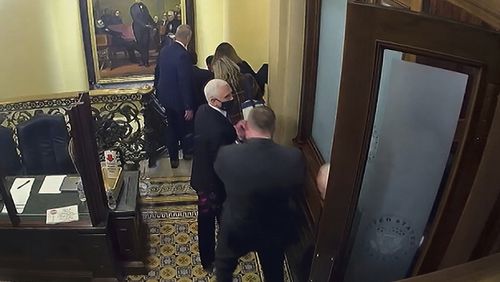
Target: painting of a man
{"points": [[142, 24], [127, 39]]}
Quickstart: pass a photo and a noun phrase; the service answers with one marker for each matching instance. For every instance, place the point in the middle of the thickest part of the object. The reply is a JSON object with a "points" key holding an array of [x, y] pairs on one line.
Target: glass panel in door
{"points": [[416, 117]]}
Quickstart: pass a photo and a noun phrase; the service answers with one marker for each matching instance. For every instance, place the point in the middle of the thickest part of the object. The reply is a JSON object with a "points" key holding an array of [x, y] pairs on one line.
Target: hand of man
{"points": [[188, 115], [240, 129]]}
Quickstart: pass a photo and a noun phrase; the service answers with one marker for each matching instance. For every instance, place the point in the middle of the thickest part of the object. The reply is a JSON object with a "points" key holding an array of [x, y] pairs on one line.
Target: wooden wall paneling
{"points": [[486, 10], [300, 254], [450, 10], [461, 183], [83, 134], [481, 200], [361, 69], [308, 92], [485, 269], [309, 71], [489, 242]]}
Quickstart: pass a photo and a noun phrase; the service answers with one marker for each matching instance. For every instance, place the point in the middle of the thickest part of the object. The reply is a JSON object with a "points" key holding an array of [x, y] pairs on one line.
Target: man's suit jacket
{"points": [[200, 78], [260, 178], [140, 15], [175, 78], [211, 131]]}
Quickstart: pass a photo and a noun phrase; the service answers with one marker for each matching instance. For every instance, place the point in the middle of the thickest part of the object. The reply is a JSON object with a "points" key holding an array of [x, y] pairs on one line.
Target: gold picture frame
{"points": [[113, 54]]}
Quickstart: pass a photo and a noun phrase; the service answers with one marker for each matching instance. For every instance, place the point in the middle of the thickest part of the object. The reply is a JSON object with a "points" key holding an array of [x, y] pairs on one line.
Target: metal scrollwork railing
{"points": [[119, 120], [120, 125]]}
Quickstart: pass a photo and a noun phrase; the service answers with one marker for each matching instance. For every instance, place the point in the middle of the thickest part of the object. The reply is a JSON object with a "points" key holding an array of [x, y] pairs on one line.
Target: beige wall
{"points": [[247, 29], [244, 24], [208, 29], [286, 45], [42, 48], [261, 31]]}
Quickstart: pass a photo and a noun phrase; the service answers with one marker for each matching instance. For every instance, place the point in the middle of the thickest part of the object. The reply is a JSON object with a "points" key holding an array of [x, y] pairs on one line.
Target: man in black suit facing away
{"points": [[175, 93], [212, 130], [200, 78], [142, 23], [260, 178]]}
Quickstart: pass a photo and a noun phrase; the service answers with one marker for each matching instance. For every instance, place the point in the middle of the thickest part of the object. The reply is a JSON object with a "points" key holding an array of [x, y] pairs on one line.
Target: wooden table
{"points": [[77, 251]]}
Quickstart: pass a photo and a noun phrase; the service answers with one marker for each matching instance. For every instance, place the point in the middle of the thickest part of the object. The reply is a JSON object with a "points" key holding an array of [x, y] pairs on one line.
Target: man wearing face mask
{"points": [[212, 130]]}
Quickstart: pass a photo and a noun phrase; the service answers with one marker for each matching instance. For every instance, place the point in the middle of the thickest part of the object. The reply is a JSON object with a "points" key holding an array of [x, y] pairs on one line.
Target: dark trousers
{"points": [[179, 130], [271, 254], [209, 208], [142, 37]]}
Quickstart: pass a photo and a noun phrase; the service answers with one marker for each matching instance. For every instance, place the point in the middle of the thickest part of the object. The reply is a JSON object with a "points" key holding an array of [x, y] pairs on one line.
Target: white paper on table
{"points": [[64, 214], [52, 184], [20, 192]]}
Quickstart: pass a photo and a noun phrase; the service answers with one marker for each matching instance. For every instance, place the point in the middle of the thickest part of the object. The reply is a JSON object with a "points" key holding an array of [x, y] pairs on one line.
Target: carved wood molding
{"points": [[309, 70], [486, 10]]}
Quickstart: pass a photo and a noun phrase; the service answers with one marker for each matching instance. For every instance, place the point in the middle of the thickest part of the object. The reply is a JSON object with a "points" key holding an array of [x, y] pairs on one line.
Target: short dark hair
{"points": [[208, 60], [263, 119]]}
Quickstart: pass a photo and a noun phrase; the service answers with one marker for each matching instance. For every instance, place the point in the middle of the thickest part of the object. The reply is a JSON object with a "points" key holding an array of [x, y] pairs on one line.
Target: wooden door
{"points": [[417, 99]]}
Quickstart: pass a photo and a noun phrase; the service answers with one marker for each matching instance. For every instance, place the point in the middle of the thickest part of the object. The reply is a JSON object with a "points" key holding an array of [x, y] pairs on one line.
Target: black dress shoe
{"points": [[187, 157], [174, 163]]}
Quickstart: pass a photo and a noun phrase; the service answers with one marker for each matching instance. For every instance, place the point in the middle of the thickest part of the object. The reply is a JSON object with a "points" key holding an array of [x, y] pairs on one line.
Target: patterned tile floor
{"points": [[169, 209], [173, 251]]}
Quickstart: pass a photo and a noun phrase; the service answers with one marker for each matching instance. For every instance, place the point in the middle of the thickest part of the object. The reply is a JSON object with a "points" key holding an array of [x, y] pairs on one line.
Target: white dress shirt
{"points": [[182, 44]]}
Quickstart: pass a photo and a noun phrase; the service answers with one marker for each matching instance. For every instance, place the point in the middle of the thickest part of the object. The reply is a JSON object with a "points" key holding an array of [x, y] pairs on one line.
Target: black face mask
{"points": [[226, 105]]}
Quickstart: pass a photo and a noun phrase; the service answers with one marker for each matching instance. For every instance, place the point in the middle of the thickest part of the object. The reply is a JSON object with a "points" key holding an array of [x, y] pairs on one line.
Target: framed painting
{"points": [[123, 38]]}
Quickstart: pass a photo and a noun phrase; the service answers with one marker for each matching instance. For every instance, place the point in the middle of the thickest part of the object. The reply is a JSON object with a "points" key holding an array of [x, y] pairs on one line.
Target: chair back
{"points": [[43, 143], [9, 160]]}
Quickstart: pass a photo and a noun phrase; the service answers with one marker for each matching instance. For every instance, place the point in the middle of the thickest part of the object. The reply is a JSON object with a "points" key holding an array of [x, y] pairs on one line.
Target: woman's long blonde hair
{"points": [[225, 69], [227, 50]]}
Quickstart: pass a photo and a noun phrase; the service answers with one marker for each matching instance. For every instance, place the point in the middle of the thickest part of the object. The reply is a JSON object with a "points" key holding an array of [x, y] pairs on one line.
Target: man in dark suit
{"points": [[200, 78], [212, 130], [142, 23], [175, 93], [260, 178]]}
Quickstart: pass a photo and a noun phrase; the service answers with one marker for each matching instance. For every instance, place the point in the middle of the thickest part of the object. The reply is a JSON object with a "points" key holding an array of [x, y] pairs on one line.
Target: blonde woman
{"points": [[227, 50], [244, 86]]}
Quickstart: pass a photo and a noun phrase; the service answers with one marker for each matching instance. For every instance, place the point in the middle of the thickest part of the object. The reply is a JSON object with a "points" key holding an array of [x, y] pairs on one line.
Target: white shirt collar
{"points": [[182, 44], [224, 113]]}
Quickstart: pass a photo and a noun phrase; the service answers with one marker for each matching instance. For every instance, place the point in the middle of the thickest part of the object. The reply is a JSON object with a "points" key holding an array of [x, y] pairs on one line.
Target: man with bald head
{"points": [[261, 179], [174, 89], [212, 130]]}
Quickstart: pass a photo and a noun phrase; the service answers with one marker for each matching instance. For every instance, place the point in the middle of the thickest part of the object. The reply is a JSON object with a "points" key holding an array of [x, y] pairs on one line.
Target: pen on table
{"points": [[23, 184]]}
